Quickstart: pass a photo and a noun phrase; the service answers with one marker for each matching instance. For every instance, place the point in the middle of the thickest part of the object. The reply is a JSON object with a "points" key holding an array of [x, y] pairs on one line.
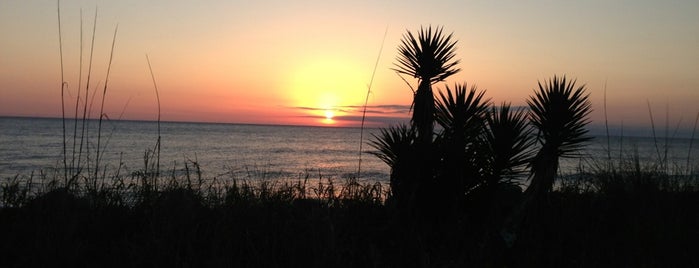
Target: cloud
{"points": [[376, 115], [369, 121], [383, 109], [395, 109], [374, 120]]}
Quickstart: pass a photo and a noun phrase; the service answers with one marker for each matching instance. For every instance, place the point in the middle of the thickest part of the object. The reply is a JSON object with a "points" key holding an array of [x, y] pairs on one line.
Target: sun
{"points": [[322, 84], [329, 114]]}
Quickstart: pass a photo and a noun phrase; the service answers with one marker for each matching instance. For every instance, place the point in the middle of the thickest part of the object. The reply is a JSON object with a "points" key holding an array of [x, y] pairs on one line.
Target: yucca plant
{"points": [[558, 112], [503, 152], [396, 147], [430, 59], [461, 115], [508, 142]]}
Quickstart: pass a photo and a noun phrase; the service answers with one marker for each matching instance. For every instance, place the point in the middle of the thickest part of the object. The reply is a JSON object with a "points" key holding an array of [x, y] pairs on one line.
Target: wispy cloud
{"points": [[390, 109], [369, 121], [376, 115]]}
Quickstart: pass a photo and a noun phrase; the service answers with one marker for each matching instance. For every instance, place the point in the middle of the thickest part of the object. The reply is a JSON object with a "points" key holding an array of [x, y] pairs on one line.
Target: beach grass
{"points": [[599, 218]]}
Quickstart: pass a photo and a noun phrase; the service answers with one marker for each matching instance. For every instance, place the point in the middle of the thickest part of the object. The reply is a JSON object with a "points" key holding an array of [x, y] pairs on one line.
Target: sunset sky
{"points": [[296, 62]]}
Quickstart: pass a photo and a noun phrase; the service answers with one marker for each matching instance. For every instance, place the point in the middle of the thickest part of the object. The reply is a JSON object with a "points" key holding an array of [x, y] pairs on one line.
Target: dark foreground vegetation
{"points": [[602, 219]]}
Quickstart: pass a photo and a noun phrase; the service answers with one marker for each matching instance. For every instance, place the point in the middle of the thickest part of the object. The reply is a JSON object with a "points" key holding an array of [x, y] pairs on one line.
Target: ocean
{"points": [[253, 152], [226, 151]]}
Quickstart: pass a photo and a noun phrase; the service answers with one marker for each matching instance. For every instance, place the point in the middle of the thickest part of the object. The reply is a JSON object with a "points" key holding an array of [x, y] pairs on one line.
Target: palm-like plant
{"points": [[395, 146], [460, 112], [392, 143], [461, 115], [508, 140], [430, 59], [558, 111]]}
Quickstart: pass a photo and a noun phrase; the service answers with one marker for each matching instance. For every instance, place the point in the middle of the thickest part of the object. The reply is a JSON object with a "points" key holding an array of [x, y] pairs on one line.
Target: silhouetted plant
{"points": [[558, 111], [396, 147], [461, 115], [83, 166], [430, 59], [508, 141]]}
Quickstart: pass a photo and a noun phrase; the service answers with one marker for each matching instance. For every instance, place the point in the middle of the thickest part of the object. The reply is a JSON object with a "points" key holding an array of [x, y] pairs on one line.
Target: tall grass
{"points": [[319, 222], [366, 101], [104, 95], [157, 95], [83, 134], [691, 142], [80, 163], [63, 84]]}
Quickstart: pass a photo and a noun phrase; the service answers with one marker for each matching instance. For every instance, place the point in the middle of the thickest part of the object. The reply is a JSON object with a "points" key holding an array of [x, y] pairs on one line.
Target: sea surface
{"points": [[254, 152]]}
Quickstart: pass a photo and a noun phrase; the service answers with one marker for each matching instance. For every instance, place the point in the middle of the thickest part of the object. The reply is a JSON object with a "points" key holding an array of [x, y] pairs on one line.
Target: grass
{"points": [[604, 217], [182, 220]]}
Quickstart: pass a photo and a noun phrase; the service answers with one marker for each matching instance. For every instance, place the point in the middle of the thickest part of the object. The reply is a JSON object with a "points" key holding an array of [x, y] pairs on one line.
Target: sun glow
{"points": [[329, 114], [321, 87]]}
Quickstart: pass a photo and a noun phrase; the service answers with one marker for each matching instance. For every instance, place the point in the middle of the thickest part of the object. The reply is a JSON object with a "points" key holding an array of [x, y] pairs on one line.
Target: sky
{"points": [[311, 62]]}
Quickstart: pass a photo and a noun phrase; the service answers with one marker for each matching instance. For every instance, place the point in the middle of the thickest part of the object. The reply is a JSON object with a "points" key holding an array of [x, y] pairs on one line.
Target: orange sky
{"points": [[292, 62]]}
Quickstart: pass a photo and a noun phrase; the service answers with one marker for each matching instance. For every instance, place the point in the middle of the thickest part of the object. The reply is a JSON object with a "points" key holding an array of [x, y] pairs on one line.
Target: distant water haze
{"points": [[253, 152], [225, 151]]}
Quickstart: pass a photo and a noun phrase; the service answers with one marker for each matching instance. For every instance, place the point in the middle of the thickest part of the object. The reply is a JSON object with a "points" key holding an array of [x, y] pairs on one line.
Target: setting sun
{"points": [[322, 84], [329, 114]]}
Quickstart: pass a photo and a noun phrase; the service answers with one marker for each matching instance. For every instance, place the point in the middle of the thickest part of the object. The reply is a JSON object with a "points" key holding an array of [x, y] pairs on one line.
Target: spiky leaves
{"points": [[508, 140], [559, 112], [461, 114], [395, 146], [430, 59], [392, 143]]}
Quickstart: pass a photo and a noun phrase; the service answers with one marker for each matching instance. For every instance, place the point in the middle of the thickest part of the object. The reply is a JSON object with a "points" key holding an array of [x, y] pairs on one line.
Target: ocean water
{"points": [[233, 151], [222, 150]]}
